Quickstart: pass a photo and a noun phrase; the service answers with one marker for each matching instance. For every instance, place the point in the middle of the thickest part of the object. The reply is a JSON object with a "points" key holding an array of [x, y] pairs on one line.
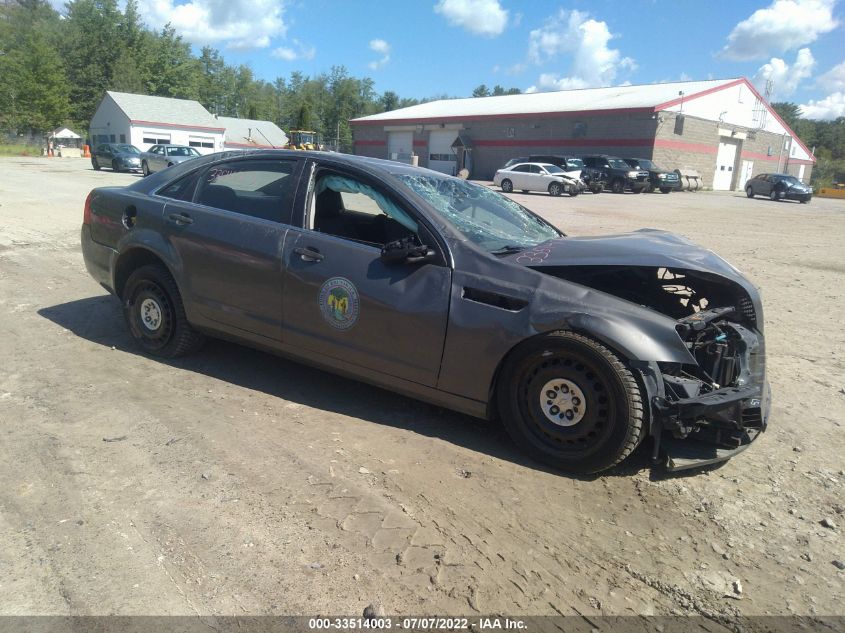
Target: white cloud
{"points": [[239, 24], [481, 17], [833, 79], [382, 48], [298, 51], [783, 25], [829, 108], [785, 78], [587, 40]]}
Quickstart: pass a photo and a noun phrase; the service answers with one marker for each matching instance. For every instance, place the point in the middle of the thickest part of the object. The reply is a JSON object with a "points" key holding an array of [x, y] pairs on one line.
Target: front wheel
{"points": [[507, 186], [570, 402], [95, 164], [153, 309], [618, 186], [773, 195], [555, 189], [666, 190], [115, 166], [574, 191], [145, 169]]}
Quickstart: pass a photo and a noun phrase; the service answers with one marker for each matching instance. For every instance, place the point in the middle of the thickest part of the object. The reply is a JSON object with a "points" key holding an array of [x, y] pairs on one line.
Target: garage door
{"points": [[399, 146], [725, 160], [441, 157]]}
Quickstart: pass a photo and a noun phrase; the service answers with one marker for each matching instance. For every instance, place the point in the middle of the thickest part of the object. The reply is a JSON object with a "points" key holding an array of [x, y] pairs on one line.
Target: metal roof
{"points": [[252, 133], [587, 99], [147, 109]]}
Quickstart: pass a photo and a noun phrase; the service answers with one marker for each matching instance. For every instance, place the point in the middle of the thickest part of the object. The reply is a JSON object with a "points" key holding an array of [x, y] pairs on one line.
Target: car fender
{"points": [[152, 242]]}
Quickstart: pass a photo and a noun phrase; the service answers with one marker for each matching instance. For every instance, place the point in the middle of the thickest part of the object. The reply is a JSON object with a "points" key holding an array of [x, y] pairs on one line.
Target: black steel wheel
{"points": [[507, 186], [570, 402], [555, 189], [618, 186], [152, 307]]}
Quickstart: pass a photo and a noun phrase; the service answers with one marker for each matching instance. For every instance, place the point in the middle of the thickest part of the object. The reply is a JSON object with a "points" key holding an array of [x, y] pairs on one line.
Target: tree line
{"points": [[56, 68], [825, 138]]}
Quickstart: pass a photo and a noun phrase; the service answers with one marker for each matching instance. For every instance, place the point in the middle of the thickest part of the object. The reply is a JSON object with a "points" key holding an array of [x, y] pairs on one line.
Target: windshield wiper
{"points": [[508, 249]]}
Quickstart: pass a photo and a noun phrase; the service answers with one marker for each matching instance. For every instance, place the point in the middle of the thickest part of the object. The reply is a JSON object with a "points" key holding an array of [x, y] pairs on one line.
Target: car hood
{"points": [[646, 247], [802, 188]]}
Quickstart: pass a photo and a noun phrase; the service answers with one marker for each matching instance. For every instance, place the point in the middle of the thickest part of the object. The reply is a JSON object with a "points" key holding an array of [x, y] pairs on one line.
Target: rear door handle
{"points": [[180, 218], [309, 254]]}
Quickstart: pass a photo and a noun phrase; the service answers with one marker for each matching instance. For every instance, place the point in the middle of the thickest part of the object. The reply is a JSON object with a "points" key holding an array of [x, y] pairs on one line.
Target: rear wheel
{"points": [[153, 309], [507, 186], [525, 191], [555, 189], [749, 192], [618, 186], [145, 169], [570, 402]]}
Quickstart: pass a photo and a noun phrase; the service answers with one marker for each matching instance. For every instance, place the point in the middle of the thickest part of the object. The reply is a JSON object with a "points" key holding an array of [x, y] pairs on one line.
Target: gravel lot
{"points": [[234, 482]]}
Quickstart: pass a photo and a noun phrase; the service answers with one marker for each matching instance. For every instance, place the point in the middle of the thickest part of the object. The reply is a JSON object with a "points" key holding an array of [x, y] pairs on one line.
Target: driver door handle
{"points": [[180, 218], [309, 254]]}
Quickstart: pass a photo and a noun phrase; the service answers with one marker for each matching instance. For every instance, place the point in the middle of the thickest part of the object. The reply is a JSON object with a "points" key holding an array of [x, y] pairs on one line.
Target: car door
{"points": [[763, 186], [347, 307], [229, 235], [521, 178], [104, 155]]}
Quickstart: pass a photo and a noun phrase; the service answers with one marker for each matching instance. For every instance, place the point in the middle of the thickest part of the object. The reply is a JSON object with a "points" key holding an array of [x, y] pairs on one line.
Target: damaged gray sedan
{"points": [[445, 291]]}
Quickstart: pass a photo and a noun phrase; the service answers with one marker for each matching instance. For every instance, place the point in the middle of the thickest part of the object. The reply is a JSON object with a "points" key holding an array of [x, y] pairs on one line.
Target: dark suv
{"points": [[665, 181], [620, 176]]}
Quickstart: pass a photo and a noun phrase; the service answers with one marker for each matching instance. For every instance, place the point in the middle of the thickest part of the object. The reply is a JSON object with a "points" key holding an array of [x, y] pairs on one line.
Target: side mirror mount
{"points": [[406, 250]]}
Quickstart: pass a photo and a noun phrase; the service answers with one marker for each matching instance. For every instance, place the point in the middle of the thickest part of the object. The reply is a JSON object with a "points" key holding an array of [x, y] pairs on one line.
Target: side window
{"points": [[535, 169], [257, 188], [523, 169], [346, 207], [182, 189]]}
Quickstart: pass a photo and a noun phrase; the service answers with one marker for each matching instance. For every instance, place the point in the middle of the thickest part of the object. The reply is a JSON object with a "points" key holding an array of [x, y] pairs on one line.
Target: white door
{"points": [[801, 173], [441, 157], [745, 173], [400, 145], [724, 166]]}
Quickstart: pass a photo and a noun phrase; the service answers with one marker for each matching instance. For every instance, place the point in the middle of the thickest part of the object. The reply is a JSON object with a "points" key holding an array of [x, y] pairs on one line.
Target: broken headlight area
{"points": [[715, 408]]}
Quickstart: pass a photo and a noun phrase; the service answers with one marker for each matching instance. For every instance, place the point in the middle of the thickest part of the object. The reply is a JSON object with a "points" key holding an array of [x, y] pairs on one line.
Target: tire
{"points": [[749, 192], [507, 186], [145, 169], [596, 189], [525, 191], [573, 191], [555, 189], [649, 188], [635, 190], [95, 164], [804, 201], [115, 166], [155, 315], [618, 186], [610, 425], [665, 190]]}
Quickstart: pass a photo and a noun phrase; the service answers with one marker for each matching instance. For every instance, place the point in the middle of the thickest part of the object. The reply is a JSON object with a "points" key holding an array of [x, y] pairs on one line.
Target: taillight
{"points": [[86, 212]]}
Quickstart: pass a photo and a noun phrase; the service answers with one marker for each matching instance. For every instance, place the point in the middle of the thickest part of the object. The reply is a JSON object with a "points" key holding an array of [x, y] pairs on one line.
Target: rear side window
{"points": [[182, 189], [258, 188]]}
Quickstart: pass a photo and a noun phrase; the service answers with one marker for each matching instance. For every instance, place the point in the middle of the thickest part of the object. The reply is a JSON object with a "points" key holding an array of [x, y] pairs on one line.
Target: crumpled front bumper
{"points": [[749, 406]]}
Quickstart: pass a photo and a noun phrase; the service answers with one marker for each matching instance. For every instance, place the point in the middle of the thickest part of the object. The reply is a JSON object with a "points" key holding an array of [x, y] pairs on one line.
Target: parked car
{"points": [[572, 165], [779, 187], [160, 157], [538, 177], [446, 291], [620, 176], [118, 156], [658, 179]]}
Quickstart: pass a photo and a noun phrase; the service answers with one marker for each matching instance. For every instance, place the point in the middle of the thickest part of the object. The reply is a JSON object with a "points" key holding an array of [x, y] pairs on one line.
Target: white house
{"points": [[251, 134], [145, 121]]}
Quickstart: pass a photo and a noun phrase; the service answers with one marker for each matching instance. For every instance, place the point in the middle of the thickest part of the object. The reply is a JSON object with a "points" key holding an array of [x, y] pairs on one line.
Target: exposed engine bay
{"points": [[716, 404]]}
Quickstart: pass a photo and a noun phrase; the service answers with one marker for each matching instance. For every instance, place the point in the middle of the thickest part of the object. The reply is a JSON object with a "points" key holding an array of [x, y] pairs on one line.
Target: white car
{"points": [[538, 177]]}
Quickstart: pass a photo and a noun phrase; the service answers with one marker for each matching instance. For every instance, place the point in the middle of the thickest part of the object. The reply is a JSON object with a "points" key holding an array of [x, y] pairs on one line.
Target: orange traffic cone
{"points": [[86, 151]]}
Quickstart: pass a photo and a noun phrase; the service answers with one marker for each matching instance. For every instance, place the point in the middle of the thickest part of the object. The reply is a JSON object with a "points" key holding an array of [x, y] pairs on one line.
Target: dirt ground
{"points": [[235, 482]]}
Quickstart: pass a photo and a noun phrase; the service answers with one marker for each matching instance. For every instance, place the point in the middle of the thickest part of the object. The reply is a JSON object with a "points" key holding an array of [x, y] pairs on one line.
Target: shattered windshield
{"points": [[490, 220]]}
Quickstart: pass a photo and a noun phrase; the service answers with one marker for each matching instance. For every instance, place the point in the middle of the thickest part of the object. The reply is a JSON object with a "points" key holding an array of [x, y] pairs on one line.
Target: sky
{"points": [[426, 48]]}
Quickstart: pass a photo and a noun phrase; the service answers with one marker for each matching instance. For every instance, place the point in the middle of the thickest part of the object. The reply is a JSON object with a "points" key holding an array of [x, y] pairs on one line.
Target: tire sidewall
{"points": [[148, 282], [507, 186], [555, 189], [515, 395]]}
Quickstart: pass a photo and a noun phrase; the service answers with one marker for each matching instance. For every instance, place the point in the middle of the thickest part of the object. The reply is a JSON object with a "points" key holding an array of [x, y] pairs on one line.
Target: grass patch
{"points": [[19, 150]]}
